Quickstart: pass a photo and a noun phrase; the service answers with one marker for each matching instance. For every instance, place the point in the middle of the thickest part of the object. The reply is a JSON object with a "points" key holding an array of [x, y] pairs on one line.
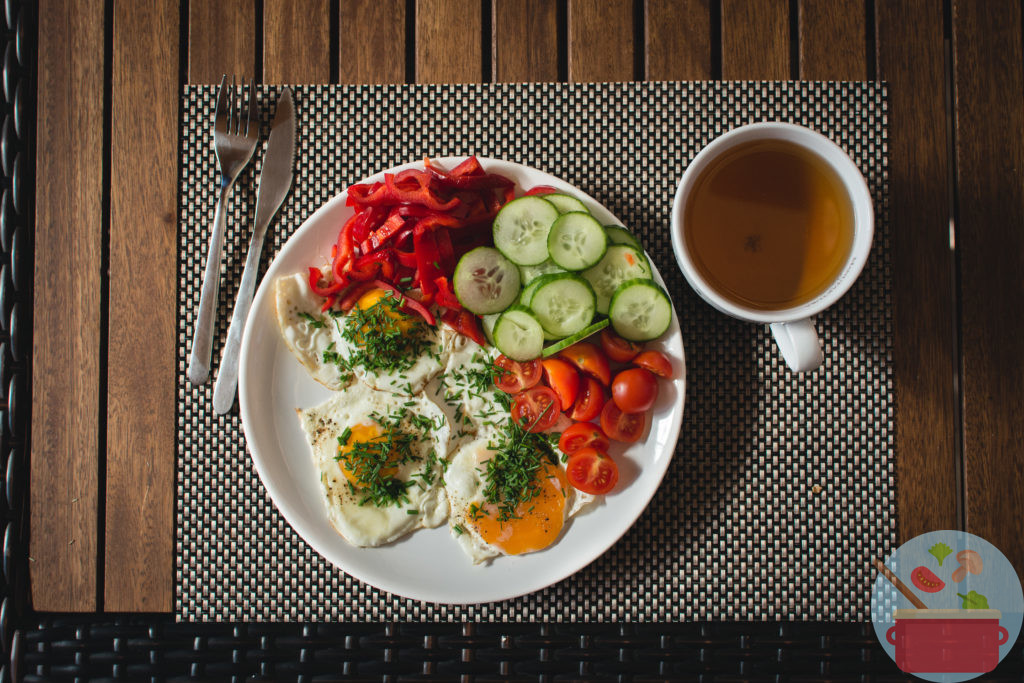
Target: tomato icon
{"points": [[925, 580]]}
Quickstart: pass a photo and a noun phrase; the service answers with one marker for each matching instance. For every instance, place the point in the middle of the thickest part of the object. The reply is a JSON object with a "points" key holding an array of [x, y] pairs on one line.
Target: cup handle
{"points": [[799, 344], [890, 635]]}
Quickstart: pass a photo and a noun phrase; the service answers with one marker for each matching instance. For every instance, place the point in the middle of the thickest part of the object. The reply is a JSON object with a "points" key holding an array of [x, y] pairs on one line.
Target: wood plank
{"points": [[601, 40], [755, 39], [371, 42], [989, 71], [66, 348], [141, 338], [449, 35], [524, 40], [296, 41], [833, 40], [922, 266], [221, 40], [677, 37]]}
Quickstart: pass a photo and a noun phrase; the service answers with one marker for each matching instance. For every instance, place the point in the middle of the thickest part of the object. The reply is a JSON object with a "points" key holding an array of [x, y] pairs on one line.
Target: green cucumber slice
{"points": [[530, 273], [577, 241], [521, 229], [619, 235], [620, 263], [566, 203], [563, 304], [485, 281], [518, 335], [488, 322], [640, 310], [579, 336]]}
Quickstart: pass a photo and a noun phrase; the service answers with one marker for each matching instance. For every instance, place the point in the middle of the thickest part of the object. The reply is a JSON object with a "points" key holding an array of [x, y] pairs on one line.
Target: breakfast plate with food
{"points": [[462, 380]]}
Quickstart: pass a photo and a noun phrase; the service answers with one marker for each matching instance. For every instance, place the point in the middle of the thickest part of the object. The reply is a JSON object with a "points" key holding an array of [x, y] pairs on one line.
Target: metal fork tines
{"points": [[235, 134]]}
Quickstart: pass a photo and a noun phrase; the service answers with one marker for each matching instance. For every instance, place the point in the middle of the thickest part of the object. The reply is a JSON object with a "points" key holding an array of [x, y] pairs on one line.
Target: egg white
{"points": [[464, 484], [468, 406], [369, 525]]}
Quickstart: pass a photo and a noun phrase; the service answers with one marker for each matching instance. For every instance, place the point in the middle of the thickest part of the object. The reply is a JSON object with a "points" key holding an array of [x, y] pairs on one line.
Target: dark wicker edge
{"points": [[45, 647]]}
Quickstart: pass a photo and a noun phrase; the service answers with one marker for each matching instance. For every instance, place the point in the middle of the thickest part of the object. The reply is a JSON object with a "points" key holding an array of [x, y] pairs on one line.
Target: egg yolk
{"points": [[363, 433], [539, 522], [403, 323]]}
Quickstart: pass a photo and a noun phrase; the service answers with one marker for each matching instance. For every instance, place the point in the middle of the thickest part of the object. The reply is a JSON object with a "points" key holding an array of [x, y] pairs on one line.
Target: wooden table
{"points": [[109, 85]]}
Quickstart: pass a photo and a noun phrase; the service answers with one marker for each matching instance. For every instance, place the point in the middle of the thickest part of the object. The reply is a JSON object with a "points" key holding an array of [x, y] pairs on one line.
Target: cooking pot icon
{"points": [[947, 640]]}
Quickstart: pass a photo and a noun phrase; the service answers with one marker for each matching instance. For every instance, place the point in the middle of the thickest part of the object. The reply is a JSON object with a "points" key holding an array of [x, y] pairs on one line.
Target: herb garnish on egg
{"points": [[373, 461], [511, 475]]}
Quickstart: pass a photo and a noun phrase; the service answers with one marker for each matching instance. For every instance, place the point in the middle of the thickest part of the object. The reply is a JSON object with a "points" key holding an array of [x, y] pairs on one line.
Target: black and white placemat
{"points": [[782, 486]]}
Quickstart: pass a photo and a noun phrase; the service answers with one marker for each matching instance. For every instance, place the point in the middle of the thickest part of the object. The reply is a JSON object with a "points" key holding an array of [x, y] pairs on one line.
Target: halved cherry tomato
{"points": [[618, 349], [542, 189], [634, 390], [590, 360], [589, 401], [536, 409], [656, 362], [622, 426], [583, 435], [592, 471], [924, 579], [563, 378], [517, 376]]}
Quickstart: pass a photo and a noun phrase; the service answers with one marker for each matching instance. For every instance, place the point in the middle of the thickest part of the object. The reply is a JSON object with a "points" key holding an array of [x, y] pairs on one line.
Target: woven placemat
{"points": [[782, 486]]}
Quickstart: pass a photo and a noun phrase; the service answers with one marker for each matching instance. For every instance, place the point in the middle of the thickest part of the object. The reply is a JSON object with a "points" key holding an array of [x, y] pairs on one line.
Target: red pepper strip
{"points": [[450, 181], [428, 267], [445, 296], [445, 250], [407, 301], [542, 189], [510, 193], [353, 295], [345, 243], [368, 220], [392, 225], [391, 193], [407, 259], [471, 166], [328, 302], [314, 284], [466, 324], [358, 193], [371, 266]]}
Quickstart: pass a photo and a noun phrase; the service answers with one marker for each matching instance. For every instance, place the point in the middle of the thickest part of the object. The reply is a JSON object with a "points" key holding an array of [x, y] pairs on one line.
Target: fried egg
{"points": [[376, 342], [477, 525], [306, 331], [381, 459], [465, 390]]}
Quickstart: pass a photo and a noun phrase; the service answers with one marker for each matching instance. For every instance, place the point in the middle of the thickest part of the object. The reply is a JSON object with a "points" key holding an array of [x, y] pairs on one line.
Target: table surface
{"points": [[109, 81]]}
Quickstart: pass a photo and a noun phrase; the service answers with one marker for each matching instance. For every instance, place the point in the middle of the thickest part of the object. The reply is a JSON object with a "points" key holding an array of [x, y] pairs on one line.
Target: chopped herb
{"points": [[458, 529], [411, 511], [315, 323], [385, 338]]}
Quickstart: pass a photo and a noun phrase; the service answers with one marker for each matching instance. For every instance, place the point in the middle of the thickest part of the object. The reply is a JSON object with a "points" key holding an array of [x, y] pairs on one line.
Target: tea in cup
{"points": [[772, 223]]}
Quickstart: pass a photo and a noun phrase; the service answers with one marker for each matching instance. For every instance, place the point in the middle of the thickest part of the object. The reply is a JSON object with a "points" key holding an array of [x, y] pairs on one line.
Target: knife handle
{"points": [[227, 376], [202, 333]]}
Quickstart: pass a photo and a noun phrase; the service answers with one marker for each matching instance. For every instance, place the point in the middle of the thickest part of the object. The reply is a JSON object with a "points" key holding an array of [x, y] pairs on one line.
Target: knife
{"points": [[275, 181]]}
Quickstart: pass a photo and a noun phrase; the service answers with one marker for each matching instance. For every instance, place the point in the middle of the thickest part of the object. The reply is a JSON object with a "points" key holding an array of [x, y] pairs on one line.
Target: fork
{"points": [[234, 147]]}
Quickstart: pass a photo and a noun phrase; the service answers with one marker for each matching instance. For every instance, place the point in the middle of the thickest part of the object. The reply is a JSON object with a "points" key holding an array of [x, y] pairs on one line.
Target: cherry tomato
{"points": [[589, 401], [536, 409], [517, 376], [656, 362], [592, 471], [622, 426], [618, 349], [563, 378], [542, 189], [589, 359], [583, 435], [634, 390]]}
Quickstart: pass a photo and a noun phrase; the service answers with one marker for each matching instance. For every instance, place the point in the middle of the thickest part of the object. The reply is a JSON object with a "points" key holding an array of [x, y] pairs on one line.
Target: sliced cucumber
{"points": [[530, 273], [488, 325], [527, 293], [521, 229], [577, 241], [579, 336], [563, 304], [640, 310], [619, 235], [566, 203], [485, 281], [620, 263], [518, 335]]}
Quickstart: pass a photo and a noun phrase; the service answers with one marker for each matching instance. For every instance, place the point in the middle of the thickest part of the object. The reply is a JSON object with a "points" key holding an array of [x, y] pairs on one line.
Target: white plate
{"points": [[428, 565]]}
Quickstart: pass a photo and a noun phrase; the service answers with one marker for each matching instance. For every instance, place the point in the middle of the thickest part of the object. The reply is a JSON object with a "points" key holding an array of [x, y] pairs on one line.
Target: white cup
{"points": [[792, 327]]}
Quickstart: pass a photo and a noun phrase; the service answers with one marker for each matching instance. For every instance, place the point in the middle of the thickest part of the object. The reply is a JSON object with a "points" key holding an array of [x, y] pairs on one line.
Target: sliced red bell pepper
{"points": [[445, 296], [541, 189], [470, 166], [407, 301], [467, 179], [466, 324], [354, 293], [379, 264], [394, 223], [314, 284], [428, 266]]}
